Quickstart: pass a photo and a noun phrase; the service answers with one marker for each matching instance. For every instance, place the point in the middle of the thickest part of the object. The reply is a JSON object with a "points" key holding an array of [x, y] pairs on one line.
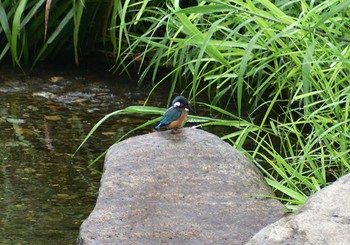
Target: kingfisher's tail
{"points": [[158, 126]]}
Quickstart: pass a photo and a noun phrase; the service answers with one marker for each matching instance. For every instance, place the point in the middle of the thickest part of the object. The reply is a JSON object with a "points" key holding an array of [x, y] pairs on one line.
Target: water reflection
{"points": [[45, 194]]}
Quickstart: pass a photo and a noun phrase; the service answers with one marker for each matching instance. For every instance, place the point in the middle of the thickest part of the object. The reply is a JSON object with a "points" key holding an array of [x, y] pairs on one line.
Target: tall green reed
{"points": [[236, 47], [37, 30]]}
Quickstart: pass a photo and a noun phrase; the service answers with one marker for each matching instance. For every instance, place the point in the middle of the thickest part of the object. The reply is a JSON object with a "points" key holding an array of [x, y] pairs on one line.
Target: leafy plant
{"points": [[35, 30], [287, 63]]}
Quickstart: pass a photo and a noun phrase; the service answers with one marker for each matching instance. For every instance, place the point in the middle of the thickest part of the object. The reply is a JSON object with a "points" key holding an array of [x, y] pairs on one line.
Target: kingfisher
{"points": [[175, 117]]}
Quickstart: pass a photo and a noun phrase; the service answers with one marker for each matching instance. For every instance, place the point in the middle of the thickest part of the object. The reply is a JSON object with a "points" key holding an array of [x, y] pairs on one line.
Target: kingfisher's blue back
{"points": [[172, 114]]}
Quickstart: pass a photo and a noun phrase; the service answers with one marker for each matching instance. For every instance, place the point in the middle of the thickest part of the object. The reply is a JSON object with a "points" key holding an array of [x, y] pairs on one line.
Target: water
{"points": [[45, 194]]}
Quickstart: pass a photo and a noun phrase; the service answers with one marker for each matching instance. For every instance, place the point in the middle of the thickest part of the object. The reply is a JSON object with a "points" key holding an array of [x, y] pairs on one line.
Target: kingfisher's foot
{"points": [[175, 131]]}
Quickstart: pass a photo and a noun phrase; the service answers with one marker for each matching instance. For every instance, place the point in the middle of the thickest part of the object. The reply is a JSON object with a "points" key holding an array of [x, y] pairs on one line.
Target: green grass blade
{"points": [[16, 31], [78, 7], [194, 33], [4, 23], [65, 21], [129, 110]]}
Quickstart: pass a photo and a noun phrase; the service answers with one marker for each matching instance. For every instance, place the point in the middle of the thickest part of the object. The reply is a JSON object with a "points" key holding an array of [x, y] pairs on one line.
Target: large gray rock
{"points": [[188, 188], [324, 219]]}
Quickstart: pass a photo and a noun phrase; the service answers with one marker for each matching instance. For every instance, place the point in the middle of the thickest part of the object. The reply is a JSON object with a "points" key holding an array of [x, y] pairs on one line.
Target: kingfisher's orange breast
{"points": [[179, 122]]}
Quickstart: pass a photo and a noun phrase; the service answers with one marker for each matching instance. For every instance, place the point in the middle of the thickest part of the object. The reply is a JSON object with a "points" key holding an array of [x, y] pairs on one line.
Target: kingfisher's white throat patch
{"points": [[177, 104]]}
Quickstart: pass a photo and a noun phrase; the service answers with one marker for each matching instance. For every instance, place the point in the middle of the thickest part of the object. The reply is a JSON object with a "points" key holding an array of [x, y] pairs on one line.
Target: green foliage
{"points": [[286, 62], [34, 30], [243, 48]]}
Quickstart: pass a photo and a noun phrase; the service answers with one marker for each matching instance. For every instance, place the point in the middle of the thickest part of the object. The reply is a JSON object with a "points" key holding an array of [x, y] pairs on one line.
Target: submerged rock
{"points": [[188, 188], [324, 219]]}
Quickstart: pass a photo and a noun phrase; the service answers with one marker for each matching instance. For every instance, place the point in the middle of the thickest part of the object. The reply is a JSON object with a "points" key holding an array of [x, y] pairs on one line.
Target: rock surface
{"points": [[324, 219], [188, 188]]}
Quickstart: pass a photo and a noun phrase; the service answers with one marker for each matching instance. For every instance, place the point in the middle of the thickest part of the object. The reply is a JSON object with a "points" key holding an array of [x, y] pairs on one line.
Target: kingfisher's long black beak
{"points": [[190, 109]]}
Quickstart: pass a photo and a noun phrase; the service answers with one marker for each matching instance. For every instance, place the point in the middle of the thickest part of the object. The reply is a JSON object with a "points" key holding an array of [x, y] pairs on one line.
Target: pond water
{"points": [[45, 194]]}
